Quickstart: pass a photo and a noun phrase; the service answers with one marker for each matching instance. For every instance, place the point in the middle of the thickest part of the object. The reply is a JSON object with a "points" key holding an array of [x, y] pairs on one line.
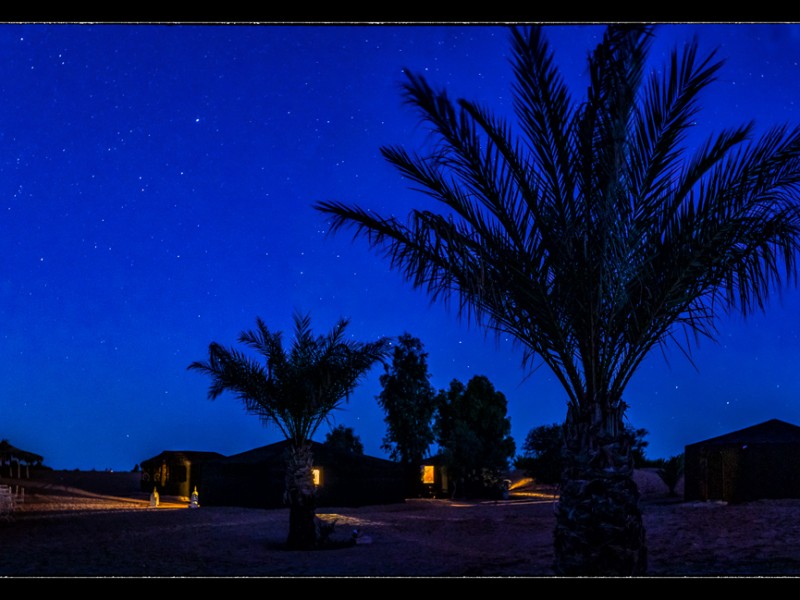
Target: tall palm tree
{"points": [[295, 390], [591, 236]]}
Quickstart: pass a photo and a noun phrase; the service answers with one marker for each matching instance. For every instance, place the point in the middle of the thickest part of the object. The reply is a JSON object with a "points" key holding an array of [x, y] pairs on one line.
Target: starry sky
{"points": [[156, 192]]}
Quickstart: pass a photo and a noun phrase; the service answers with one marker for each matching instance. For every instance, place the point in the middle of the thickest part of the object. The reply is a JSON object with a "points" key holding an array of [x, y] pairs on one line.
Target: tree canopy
{"points": [[474, 434], [407, 400], [344, 439], [294, 389]]}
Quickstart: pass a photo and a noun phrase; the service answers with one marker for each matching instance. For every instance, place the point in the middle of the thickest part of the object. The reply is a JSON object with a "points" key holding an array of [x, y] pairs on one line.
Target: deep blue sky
{"points": [[156, 191]]}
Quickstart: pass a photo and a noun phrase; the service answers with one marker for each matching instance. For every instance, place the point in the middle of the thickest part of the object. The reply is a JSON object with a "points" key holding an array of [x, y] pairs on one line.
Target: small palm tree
{"points": [[671, 472], [295, 390], [590, 236]]}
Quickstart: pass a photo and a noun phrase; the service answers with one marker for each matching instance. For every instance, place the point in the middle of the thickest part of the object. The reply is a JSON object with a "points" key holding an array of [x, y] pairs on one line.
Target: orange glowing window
{"points": [[427, 474], [317, 475]]}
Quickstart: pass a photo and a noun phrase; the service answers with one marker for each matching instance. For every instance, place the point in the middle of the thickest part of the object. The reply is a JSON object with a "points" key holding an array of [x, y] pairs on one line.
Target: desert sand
{"points": [[97, 525]]}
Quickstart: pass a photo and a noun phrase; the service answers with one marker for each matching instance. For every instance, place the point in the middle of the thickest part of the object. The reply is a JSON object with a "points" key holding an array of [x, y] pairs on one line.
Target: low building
{"points": [[758, 462], [175, 472], [12, 457], [256, 478]]}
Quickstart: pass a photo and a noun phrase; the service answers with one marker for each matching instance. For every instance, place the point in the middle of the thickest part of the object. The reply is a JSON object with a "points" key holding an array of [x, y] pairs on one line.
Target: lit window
{"points": [[427, 474], [317, 475]]}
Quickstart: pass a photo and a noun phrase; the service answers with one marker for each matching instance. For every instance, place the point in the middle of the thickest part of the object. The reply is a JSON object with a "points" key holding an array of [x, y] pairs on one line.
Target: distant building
{"points": [[758, 462], [11, 456], [175, 472], [257, 478]]}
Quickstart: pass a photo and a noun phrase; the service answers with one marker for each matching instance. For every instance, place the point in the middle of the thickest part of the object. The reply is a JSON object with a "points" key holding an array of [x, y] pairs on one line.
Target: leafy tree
{"points": [[344, 439], [294, 389], [407, 398], [590, 235], [541, 453], [473, 433]]}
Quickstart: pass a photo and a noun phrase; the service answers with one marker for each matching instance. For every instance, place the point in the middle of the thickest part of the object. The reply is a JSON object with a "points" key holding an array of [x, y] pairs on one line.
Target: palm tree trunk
{"points": [[599, 527], [301, 497]]}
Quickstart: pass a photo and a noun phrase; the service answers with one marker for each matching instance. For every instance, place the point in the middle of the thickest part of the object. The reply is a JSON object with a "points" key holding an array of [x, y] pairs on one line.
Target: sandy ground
{"points": [[79, 525]]}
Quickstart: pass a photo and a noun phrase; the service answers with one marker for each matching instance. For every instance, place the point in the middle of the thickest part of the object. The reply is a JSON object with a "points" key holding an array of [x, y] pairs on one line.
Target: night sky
{"points": [[156, 192]]}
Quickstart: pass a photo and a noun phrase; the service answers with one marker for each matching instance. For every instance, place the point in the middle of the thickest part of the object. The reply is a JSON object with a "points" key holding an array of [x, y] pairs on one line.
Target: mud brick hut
{"points": [[175, 472], [256, 478], [758, 462]]}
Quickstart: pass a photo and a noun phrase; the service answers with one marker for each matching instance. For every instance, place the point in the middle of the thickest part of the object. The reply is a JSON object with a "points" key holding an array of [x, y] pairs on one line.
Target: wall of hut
{"points": [[257, 479], [741, 472]]}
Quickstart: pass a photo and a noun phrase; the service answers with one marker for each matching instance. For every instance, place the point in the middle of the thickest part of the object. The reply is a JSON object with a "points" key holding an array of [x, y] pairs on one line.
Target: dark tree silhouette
{"points": [[344, 439], [295, 390], [541, 453], [407, 399], [591, 235], [474, 434]]}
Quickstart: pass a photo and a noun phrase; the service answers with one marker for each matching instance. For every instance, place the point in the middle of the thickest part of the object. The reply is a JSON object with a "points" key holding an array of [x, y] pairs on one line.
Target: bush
{"points": [[671, 472]]}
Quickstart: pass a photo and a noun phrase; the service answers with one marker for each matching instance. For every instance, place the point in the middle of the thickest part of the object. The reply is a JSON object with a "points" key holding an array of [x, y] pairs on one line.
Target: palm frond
{"points": [[591, 234], [296, 390]]}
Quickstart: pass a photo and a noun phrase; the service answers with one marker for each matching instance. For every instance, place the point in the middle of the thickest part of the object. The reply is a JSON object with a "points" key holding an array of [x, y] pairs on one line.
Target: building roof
{"points": [[322, 454], [773, 431], [9, 452], [189, 455], [273, 453]]}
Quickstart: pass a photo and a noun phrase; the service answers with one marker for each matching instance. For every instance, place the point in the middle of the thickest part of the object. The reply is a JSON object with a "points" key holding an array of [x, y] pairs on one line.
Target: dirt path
{"points": [[68, 531]]}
